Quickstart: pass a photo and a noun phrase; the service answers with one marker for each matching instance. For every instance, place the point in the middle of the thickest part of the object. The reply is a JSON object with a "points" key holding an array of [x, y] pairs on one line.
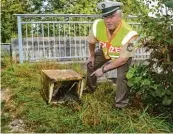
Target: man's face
{"points": [[112, 21]]}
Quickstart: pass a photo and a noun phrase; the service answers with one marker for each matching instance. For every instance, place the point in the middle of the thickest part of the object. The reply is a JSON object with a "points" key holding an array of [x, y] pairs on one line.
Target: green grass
{"points": [[93, 114]]}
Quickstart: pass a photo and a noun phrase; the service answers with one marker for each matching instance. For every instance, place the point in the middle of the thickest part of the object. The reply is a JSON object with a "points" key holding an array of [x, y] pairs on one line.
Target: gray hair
{"points": [[119, 12]]}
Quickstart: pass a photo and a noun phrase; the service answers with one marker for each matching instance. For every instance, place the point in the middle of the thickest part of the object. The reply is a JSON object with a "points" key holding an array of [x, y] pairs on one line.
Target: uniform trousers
{"points": [[121, 98]]}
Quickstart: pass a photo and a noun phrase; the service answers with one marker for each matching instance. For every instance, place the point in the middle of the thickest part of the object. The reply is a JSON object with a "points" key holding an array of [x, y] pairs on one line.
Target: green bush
{"points": [[154, 82], [155, 89]]}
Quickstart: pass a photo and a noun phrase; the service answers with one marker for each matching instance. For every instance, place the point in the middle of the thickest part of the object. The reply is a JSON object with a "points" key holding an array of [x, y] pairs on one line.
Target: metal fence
{"points": [[57, 36]]}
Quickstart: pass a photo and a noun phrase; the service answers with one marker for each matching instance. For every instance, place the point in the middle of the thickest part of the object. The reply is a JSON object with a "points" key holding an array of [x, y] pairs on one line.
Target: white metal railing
{"points": [[57, 36]]}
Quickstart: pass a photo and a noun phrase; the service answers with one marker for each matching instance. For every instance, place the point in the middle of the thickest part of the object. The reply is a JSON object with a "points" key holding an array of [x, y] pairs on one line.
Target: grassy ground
{"points": [[93, 114]]}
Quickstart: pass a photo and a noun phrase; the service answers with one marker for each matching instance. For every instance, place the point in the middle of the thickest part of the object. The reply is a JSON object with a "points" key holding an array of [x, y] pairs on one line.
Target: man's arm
{"points": [[91, 49], [92, 44], [116, 63], [127, 51]]}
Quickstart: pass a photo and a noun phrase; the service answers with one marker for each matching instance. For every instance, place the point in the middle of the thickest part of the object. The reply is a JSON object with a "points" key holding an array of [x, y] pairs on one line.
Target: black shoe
{"points": [[120, 108], [117, 108]]}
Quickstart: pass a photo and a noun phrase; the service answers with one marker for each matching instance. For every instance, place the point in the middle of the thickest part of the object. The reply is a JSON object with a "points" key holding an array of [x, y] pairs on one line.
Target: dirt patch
{"points": [[16, 125], [5, 95]]}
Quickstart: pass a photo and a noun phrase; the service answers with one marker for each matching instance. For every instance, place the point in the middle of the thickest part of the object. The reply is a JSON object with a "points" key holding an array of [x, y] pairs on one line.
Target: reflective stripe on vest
{"points": [[121, 36]]}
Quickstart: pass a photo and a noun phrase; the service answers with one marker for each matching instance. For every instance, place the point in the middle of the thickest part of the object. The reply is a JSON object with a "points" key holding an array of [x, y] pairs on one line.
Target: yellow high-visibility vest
{"points": [[121, 36]]}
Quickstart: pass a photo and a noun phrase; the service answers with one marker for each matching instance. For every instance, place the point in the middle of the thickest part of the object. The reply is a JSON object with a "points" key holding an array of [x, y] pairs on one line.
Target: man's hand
{"points": [[98, 73], [91, 59]]}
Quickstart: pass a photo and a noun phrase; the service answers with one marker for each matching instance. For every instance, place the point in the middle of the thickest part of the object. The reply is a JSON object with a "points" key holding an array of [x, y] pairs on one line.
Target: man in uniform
{"points": [[116, 40]]}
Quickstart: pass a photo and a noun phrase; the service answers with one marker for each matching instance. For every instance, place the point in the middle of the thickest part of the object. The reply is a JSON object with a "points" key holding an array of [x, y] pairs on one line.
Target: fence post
{"points": [[20, 38]]}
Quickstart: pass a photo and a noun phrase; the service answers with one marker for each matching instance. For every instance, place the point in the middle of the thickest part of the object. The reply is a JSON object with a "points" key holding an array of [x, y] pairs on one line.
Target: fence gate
{"points": [[54, 36]]}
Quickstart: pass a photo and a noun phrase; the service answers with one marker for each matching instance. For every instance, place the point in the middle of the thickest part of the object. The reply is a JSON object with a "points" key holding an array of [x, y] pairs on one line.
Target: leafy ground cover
{"points": [[93, 114]]}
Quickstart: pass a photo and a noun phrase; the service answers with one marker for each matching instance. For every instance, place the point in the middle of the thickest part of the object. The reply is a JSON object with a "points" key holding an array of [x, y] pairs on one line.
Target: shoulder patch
{"points": [[130, 47]]}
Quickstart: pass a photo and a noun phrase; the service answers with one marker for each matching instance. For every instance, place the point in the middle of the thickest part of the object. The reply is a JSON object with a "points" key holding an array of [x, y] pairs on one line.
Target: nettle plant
{"points": [[154, 82]]}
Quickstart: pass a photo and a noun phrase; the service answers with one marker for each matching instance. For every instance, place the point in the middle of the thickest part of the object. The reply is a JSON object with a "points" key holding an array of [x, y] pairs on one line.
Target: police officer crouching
{"points": [[115, 38]]}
